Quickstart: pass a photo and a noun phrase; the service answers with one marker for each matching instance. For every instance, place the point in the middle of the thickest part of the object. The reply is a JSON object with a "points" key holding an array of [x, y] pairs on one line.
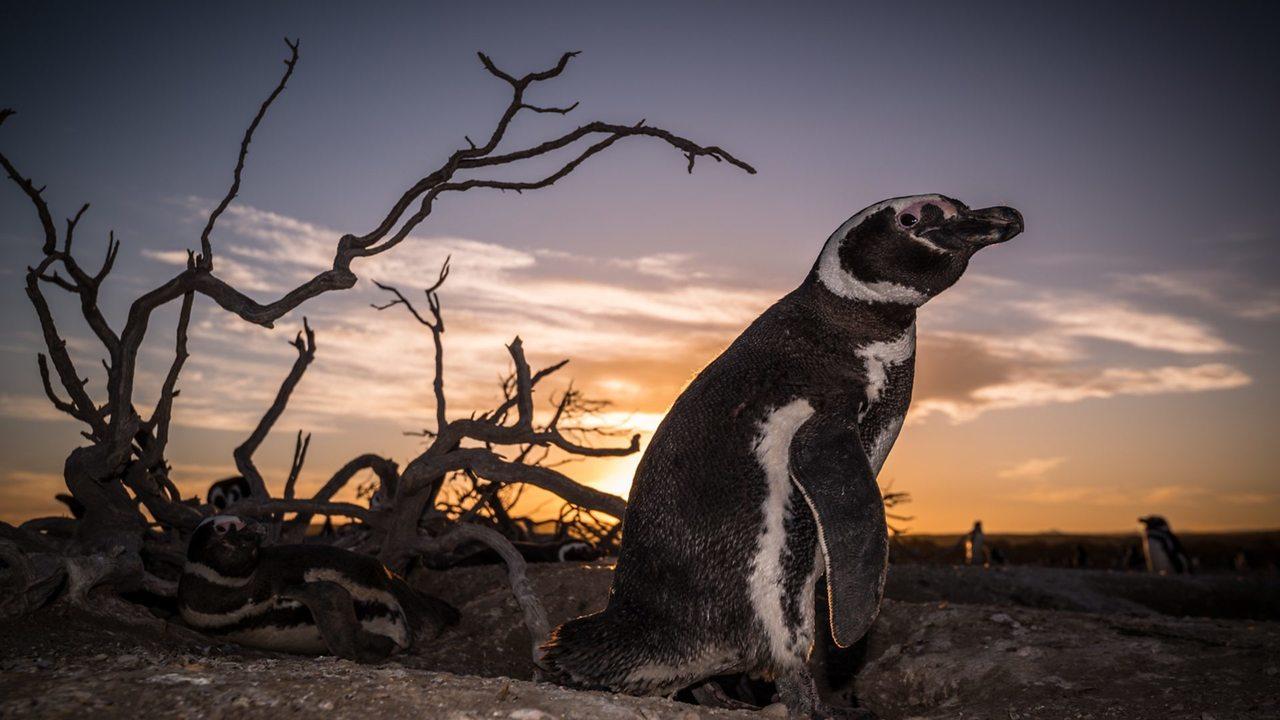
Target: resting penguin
{"points": [[227, 492], [308, 599], [762, 476], [1163, 551]]}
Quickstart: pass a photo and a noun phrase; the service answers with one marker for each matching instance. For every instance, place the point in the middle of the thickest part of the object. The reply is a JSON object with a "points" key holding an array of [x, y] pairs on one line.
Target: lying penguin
{"points": [[308, 599], [762, 476], [227, 492]]}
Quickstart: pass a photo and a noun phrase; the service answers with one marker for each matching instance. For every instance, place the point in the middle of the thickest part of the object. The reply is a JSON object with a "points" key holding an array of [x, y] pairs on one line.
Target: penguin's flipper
{"points": [[830, 467], [334, 613]]}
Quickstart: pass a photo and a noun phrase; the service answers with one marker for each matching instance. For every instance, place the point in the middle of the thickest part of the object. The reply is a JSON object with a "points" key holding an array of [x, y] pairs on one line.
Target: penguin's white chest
{"points": [[1158, 559], [879, 358]]}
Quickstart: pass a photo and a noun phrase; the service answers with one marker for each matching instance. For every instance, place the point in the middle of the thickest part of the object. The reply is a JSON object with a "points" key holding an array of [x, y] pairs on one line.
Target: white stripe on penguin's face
{"points": [[773, 452], [836, 279]]}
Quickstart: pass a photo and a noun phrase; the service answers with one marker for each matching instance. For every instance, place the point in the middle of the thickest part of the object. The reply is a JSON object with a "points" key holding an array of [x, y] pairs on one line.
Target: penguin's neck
{"points": [[872, 321]]}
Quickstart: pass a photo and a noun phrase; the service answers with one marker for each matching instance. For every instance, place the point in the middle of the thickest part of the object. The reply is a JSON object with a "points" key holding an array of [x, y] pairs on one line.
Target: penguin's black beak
{"points": [[976, 229], [252, 533], [988, 226]]}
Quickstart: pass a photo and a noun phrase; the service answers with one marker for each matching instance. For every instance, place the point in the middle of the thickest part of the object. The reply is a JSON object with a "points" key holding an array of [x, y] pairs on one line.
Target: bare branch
{"points": [[86, 410], [261, 508], [306, 346], [535, 616], [58, 403], [206, 248], [300, 447], [33, 194], [161, 416], [435, 325], [386, 470]]}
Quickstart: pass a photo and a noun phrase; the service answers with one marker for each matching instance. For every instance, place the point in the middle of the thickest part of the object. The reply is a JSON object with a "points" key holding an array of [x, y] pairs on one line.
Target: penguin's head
{"points": [[1154, 522], [227, 543], [225, 493], [908, 249]]}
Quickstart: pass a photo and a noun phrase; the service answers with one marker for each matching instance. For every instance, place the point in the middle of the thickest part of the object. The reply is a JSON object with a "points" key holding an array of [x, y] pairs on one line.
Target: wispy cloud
{"points": [[1109, 320], [636, 329], [1214, 289], [1032, 468], [1039, 387]]}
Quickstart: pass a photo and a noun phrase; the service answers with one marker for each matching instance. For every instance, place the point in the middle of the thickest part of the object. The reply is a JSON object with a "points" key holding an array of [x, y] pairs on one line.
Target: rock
{"points": [[529, 714]]}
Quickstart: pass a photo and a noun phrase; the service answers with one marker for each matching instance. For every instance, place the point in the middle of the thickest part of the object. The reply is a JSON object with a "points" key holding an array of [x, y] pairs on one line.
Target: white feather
{"points": [[773, 452]]}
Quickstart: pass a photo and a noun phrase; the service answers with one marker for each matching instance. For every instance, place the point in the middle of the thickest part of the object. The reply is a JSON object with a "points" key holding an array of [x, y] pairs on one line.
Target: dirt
{"points": [[951, 642]]}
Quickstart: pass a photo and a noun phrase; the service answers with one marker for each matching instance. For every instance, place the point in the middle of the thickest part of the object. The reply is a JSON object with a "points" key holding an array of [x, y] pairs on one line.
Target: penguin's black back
{"points": [[695, 513]]}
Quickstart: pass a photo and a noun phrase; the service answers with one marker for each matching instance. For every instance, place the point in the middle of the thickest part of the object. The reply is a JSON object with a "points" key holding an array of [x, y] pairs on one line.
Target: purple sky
{"points": [[1115, 360]]}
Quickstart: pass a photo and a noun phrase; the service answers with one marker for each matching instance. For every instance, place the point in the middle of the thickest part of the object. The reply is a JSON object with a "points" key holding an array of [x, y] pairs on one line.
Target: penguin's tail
{"points": [[616, 651]]}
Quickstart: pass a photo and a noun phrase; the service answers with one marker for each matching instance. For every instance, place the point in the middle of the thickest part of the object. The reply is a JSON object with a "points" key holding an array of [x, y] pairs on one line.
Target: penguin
{"points": [[227, 492], [762, 476], [975, 551], [306, 599], [1161, 547]]}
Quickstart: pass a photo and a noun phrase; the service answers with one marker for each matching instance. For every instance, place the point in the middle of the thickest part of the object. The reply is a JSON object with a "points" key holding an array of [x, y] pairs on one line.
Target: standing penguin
{"points": [[308, 599], [1161, 548], [975, 550], [762, 476]]}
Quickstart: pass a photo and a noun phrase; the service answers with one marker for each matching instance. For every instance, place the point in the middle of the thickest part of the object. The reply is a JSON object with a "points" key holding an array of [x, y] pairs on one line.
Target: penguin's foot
{"points": [[710, 694], [799, 693]]}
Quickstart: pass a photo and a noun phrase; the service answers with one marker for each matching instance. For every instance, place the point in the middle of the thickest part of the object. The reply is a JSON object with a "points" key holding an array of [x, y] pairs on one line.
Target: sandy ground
{"points": [[950, 643]]}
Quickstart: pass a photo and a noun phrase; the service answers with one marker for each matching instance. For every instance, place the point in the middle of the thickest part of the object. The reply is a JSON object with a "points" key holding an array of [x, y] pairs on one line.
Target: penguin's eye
{"points": [[221, 529], [907, 219]]}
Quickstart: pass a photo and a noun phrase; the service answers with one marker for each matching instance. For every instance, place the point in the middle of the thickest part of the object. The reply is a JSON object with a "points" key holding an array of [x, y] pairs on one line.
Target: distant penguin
{"points": [[1080, 556], [309, 599], [1161, 547], [762, 476], [227, 492], [975, 549]]}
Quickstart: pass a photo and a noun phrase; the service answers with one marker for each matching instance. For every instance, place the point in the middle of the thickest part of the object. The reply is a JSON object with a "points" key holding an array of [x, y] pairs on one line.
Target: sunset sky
{"points": [[1116, 360]]}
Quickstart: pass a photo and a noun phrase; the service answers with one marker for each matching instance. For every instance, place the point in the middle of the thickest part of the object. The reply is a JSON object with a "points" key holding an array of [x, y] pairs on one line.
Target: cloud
{"points": [[669, 266], [28, 407], [1214, 289], [1040, 386], [1072, 493], [637, 329], [1108, 320], [25, 495], [1035, 467]]}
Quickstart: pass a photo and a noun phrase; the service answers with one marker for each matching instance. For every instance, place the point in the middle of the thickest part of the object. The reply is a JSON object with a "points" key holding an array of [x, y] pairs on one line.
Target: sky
{"points": [[1115, 360]]}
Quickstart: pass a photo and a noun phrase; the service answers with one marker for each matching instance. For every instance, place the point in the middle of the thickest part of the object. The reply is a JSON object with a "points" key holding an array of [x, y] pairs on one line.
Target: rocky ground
{"points": [[951, 642]]}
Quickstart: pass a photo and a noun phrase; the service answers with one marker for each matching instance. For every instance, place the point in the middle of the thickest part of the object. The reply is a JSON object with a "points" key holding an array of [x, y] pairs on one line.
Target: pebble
{"points": [[529, 714]]}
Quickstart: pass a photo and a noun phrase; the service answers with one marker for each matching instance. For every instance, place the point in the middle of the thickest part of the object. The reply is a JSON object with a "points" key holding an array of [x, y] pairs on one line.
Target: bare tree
{"points": [[134, 520]]}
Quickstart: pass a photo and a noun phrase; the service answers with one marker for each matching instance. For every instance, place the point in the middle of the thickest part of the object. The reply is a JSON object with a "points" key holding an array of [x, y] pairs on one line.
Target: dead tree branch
{"points": [[535, 616], [124, 466], [305, 344], [206, 247]]}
